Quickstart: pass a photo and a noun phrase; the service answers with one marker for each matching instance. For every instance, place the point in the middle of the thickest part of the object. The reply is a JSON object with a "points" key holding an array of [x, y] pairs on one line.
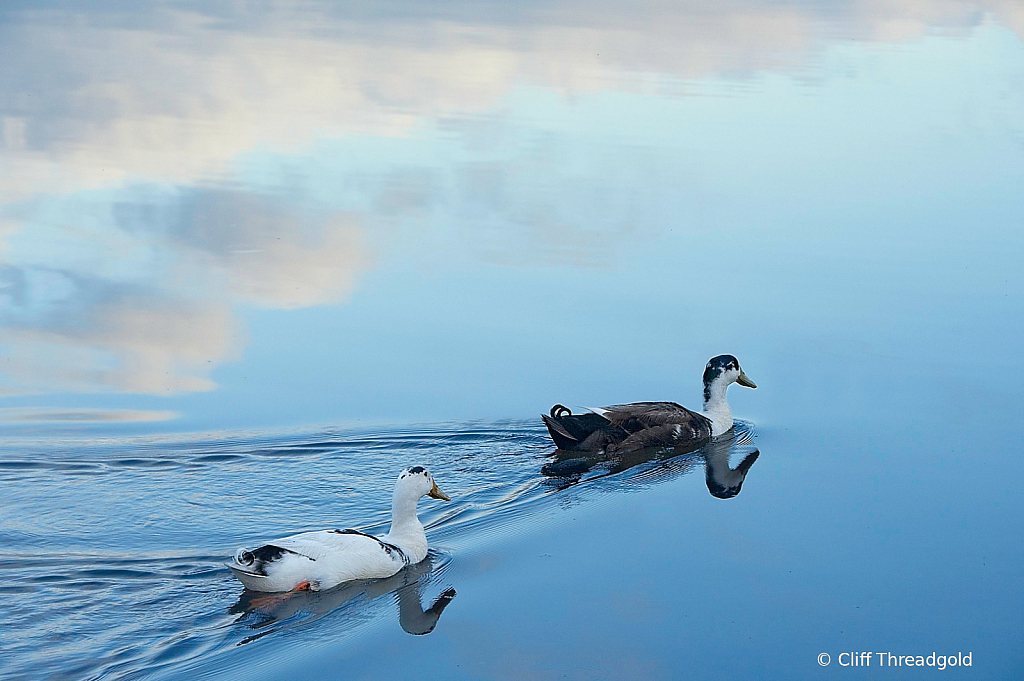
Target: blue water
{"points": [[257, 257], [115, 551]]}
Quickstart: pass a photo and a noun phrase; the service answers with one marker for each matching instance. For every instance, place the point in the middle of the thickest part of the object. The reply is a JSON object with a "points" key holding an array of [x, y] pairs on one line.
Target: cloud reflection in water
{"points": [[158, 319], [134, 225]]}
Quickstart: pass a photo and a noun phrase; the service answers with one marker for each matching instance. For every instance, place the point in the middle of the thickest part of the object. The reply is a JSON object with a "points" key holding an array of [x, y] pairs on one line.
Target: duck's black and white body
{"points": [[651, 424], [326, 558]]}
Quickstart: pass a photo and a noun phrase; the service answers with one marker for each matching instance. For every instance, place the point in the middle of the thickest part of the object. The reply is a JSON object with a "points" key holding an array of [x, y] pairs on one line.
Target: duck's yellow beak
{"points": [[745, 381], [436, 493]]}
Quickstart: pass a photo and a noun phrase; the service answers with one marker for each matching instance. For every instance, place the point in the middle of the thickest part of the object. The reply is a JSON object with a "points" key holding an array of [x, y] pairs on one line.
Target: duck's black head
{"points": [[724, 368], [718, 366]]}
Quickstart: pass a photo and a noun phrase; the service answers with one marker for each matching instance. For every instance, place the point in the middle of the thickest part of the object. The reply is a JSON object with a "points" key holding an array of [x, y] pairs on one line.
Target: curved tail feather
{"points": [[560, 410], [590, 431], [562, 437]]}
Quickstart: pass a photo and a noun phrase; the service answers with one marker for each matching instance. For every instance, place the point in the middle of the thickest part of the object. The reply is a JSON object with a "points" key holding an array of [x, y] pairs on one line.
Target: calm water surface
{"points": [[256, 257]]}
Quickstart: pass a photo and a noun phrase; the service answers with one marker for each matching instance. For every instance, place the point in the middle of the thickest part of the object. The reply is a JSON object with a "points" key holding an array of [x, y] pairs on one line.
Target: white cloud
{"points": [[138, 345], [78, 318], [58, 415], [176, 97]]}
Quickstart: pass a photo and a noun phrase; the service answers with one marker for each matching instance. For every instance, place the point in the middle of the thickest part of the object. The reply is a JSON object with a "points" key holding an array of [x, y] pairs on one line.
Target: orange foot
{"points": [[302, 586]]}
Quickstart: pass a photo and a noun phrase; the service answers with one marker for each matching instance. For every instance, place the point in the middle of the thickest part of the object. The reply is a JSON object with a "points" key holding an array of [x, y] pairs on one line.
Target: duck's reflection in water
{"points": [[724, 482], [262, 610], [568, 468]]}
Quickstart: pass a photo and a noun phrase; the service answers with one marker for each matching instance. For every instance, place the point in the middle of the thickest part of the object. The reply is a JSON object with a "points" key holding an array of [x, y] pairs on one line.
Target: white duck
{"points": [[326, 558]]}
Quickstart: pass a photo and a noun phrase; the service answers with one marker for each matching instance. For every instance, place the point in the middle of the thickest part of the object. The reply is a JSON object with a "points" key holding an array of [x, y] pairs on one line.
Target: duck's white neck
{"points": [[716, 407], [406, 529], [403, 512]]}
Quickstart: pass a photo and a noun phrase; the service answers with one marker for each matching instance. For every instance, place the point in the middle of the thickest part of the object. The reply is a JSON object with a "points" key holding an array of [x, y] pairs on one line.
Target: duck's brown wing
{"points": [[639, 416]]}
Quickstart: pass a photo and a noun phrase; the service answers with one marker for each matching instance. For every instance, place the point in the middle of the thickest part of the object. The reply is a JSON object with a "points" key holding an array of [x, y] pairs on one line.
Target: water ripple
{"points": [[115, 548]]}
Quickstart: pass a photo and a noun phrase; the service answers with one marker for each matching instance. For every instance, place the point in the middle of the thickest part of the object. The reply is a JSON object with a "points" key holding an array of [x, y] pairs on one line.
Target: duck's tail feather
{"points": [[562, 437], [573, 431], [560, 410], [255, 561]]}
